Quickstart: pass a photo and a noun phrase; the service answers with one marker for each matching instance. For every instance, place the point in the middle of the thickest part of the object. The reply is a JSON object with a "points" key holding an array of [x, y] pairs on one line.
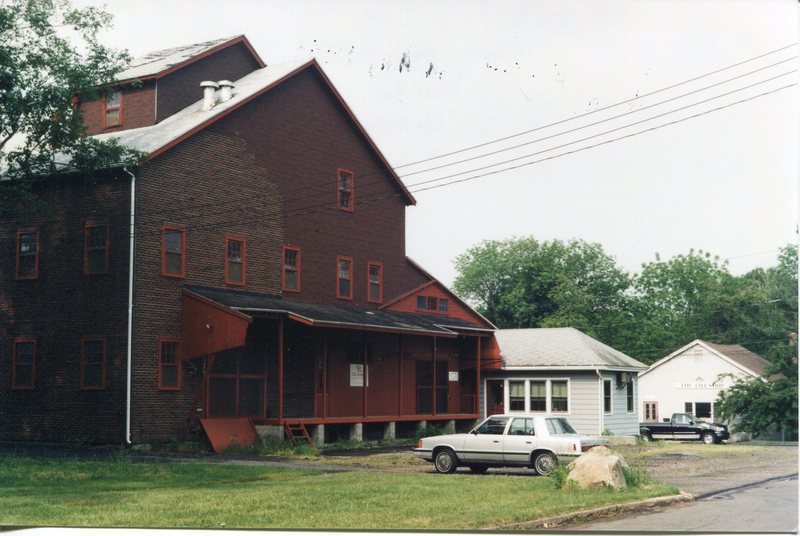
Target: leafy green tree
{"points": [[49, 57], [526, 283]]}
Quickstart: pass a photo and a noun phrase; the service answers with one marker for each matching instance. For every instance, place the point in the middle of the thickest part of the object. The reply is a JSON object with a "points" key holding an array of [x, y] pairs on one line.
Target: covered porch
{"points": [[338, 372]]}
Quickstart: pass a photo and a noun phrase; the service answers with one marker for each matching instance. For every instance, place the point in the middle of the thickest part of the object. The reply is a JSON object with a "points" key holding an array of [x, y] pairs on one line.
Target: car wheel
{"points": [[645, 438], [480, 469], [445, 461], [544, 463], [708, 438]]}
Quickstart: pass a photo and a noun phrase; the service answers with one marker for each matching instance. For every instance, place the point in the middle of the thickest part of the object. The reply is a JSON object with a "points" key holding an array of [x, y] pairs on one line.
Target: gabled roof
{"points": [[334, 316], [161, 137], [735, 354], [559, 348], [160, 63]]}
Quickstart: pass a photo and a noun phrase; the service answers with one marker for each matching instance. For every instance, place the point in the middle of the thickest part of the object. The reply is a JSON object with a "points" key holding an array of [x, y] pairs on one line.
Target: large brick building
{"points": [[253, 267]]}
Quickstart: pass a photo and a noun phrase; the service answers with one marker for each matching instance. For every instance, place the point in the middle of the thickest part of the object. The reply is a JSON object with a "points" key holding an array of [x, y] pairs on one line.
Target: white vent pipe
{"points": [[209, 91]]}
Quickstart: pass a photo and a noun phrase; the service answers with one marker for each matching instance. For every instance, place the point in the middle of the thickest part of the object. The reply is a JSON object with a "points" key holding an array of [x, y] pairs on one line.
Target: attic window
{"points": [[345, 189], [432, 304], [112, 110]]}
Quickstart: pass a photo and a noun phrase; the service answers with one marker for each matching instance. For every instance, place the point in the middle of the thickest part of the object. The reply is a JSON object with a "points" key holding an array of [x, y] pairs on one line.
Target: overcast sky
{"points": [[429, 78]]}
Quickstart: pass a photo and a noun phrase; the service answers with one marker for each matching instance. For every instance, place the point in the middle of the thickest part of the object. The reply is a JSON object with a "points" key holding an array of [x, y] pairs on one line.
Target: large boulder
{"points": [[596, 468]]}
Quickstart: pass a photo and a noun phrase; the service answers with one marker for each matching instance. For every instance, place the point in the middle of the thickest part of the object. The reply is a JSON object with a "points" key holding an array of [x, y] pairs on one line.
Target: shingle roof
{"points": [[742, 356], [559, 347], [249, 302], [158, 61]]}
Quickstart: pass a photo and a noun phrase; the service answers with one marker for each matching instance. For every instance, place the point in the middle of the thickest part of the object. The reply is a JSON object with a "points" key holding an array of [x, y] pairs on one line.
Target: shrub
{"points": [[635, 478]]}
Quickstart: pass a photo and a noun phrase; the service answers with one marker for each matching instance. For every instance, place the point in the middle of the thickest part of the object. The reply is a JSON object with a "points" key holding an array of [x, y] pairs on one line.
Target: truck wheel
{"points": [[445, 461], [645, 438], [708, 438], [544, 463]]}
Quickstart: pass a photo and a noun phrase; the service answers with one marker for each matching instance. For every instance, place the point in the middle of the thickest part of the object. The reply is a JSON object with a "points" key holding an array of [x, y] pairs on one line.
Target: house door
{"points": [[494, 397], [651, 412]]}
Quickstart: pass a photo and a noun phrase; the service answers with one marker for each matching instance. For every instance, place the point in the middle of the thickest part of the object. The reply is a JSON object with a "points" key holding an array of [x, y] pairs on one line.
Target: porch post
{"points": [[325, 374], [399, 374], [366, 374], [280, 369], [478, 376], [434, 375]]}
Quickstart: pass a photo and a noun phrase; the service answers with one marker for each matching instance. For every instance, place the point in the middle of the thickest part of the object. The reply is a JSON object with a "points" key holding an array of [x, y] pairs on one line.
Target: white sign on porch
{"points": [[453, 375], [357, 375]]}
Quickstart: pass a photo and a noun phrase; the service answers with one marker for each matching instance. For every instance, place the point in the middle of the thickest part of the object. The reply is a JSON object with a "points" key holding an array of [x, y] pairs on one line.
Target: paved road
{"points": [[768, 507]]}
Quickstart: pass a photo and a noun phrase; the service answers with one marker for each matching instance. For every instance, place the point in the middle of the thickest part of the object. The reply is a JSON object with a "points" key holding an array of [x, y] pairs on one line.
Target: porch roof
{"points": [[334, 316]]}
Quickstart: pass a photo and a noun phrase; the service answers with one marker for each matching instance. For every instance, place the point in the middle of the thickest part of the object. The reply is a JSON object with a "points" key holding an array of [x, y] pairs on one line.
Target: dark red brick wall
{"points": [[302, 134], [211, 185], [61, 307], [138, 110], [181, 88]]}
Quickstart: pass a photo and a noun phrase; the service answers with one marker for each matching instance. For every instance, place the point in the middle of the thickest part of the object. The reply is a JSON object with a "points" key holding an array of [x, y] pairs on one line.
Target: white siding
{"points": [[687, 377]]}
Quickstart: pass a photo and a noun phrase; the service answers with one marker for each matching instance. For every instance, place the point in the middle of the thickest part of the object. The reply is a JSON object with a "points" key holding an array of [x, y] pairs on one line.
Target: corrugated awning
{"points": [[250, 304]]}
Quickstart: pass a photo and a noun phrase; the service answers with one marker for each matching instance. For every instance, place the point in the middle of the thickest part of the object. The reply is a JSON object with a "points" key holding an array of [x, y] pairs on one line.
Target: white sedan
{"points": [[520, 440]]}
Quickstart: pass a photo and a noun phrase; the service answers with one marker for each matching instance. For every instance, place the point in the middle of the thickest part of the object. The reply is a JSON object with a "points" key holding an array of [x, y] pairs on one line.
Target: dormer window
{"points": [[112, 110], [346, 184], [432, 304]]}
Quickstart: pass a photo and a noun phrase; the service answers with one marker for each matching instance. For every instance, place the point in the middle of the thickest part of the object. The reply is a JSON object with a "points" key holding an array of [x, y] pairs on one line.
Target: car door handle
{"points": [[496, 441], [527, 442]]}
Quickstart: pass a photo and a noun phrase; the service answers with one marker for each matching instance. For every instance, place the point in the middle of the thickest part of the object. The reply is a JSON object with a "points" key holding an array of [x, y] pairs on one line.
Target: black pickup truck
{"points": [[684, 426]]}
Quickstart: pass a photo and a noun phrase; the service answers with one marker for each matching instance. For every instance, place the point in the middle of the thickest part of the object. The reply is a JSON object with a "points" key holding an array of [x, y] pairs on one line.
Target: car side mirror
{"points": [[475, 432]]}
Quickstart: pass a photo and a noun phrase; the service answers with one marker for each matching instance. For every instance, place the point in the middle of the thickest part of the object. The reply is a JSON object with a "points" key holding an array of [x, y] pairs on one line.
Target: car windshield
{"points": [[559, 425]]}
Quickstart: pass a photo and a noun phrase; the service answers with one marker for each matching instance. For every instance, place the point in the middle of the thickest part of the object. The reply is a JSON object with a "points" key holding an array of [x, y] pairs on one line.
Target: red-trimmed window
{"points": [[432, 304], [95, 249], [291, 269], [346, 190], [173, 251], [374, 282], [23, 371], [169, 368], [112, 110], [93, 363], [344, 278], [28, 254], [235, 260]]}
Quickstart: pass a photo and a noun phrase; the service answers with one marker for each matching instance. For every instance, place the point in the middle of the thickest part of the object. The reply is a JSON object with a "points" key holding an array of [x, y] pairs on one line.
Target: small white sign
{"points": [[453, 375], [356, 375]]}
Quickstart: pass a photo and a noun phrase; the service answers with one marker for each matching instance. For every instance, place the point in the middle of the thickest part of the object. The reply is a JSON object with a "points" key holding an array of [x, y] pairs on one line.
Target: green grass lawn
{"points": [[201, 495]]}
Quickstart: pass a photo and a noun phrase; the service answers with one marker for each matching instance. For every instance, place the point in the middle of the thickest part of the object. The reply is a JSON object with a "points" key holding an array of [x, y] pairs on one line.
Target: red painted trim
{"points": [[119, 109], [243, 262], [182, 230], [350, 207], [478, 377], [297, 268], [23, 340], [376, 418], [238, 39], [312, 63], [106, 247], [407, 294], [219, 306], [35, 274], [84, 386], [349, 260], [176, 365], [377, 264], [361, 327]]}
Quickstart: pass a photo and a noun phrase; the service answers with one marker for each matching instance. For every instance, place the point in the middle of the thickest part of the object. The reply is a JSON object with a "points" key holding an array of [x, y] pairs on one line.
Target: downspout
{"points": [[602, 401], [130, 310]]}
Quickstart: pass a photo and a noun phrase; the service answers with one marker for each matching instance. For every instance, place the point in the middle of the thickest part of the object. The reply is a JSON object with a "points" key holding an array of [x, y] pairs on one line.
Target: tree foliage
{"points": [[49, 57]]}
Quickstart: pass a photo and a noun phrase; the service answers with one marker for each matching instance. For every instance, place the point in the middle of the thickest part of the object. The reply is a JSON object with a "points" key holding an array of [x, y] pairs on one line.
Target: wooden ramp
{"points": [[227, 432]]}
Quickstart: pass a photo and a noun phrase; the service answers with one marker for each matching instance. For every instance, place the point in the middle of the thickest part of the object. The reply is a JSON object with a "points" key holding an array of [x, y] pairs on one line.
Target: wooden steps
{"points": [[296, 430]]}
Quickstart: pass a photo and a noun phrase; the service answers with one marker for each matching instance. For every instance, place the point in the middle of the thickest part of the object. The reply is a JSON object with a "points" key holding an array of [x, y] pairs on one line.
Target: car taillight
{"points": [[419, 444], [574, 446], [586, 448]]}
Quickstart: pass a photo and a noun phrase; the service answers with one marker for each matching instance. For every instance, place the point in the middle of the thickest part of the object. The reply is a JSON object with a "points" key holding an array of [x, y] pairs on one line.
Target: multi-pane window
{"points": [[345, 189], [93, 363], [169, 368], [375, 282], [559, 396], [173, 251], [23, 374], [291, 269], [95, 249], [113, 110], [27, 254], [629, 396], [235, 256], [344, 278], [516, 395], [443, 304], [607, 396], [432, 303], [538, 396]]}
